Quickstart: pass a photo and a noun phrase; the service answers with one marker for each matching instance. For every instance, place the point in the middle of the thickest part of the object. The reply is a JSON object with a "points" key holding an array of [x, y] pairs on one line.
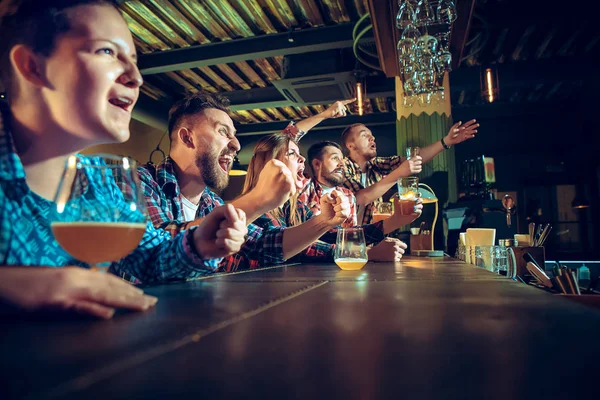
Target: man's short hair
{"points": [[35, 24], [315, 152], [346, 133], [193, 104]]}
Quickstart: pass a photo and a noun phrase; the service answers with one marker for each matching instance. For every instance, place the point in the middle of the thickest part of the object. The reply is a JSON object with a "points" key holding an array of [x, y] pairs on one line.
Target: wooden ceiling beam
{"points": [[263, 128], [460, 30], [383, 18], [251, 48]]}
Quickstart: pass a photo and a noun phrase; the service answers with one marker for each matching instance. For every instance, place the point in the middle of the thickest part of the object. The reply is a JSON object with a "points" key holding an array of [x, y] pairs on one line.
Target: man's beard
{"points": [[211, 171], [333, 180]]}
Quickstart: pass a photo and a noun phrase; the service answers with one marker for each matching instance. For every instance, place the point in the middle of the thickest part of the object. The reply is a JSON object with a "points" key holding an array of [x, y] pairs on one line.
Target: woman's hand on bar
{"points": [[70, 289]]}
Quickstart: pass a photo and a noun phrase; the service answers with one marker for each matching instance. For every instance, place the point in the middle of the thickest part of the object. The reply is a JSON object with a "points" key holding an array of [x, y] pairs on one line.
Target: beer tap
{"points": [[509, 204]]}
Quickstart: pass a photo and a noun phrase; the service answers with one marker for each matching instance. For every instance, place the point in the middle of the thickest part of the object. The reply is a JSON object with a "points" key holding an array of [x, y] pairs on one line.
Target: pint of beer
{"points": [[408, 193]]}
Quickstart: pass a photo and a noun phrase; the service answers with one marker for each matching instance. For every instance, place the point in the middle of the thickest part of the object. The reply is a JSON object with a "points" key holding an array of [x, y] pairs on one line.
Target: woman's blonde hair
{"points": [[274, 146]]}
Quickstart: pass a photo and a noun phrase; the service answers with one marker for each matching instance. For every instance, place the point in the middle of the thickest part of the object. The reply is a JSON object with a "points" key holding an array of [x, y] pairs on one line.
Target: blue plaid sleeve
{"points": [[373, 233], [316, 252], [160, 257], [157, 204]]}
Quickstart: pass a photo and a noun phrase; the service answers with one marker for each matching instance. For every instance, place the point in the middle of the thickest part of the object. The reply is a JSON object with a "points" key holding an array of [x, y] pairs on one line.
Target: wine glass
{"points": [[350, 249], [408, 194], [446, 12], [100, 210], [405, 16], [424, 14]]}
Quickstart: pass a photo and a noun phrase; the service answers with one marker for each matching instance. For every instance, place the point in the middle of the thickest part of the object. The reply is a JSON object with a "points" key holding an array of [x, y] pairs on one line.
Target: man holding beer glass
{"points": [[369, 176]]}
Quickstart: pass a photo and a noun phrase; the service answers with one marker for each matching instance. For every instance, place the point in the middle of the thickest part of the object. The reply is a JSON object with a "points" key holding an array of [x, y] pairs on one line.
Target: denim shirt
{"points": [[26, 238]]}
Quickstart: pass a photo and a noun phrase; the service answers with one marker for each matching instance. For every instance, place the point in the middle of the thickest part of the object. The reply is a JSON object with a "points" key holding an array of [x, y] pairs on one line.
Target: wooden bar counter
{"points": [[419, 329]]}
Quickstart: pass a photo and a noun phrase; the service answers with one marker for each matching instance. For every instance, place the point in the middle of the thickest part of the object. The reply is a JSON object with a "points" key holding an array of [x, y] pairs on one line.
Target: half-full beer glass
{"points": [[350, 249], [100, 211]]}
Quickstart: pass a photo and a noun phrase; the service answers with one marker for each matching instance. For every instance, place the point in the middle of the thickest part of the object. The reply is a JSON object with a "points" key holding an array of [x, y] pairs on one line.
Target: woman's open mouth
{"points": [[300, 178]]}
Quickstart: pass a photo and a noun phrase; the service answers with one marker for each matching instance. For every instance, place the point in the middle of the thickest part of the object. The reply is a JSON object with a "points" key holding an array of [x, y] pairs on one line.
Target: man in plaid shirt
{"points": [[165, 204], [326, 162], [179, 190], [369, 176]]}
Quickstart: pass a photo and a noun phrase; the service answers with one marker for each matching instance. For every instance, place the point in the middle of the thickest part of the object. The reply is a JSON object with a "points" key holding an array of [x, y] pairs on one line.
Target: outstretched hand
{"points": [[337, 109], [460, 132]]}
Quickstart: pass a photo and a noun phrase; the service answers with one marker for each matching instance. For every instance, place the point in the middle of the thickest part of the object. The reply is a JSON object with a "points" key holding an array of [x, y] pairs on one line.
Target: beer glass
{"points": [[350, 249], [100, 211], [408, 193], [498, 259], [382, 210]]}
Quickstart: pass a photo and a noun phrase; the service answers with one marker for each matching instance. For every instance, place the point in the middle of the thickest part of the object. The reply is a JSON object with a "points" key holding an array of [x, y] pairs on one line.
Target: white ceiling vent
{"points": [[318, 89]]}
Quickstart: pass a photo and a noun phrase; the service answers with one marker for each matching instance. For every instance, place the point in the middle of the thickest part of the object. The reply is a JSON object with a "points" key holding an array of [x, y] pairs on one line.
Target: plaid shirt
{"points": [[163, 197], [26, 237], [321, 250], [311, 196], [164, 203], [376, 170], [316, 252]]}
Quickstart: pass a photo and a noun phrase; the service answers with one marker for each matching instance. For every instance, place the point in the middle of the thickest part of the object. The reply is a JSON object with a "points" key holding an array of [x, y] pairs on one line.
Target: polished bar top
{"points": [[420, 328]]}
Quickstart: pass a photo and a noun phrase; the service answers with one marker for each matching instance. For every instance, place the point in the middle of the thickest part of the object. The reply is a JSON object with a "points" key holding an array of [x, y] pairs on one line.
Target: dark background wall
{"points": [[542, 154]]}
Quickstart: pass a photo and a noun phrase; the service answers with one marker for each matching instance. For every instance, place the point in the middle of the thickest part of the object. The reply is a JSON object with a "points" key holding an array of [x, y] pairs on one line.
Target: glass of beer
{"points": [[382, 210], [350, 249], [100, 210], [408, 193]]}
